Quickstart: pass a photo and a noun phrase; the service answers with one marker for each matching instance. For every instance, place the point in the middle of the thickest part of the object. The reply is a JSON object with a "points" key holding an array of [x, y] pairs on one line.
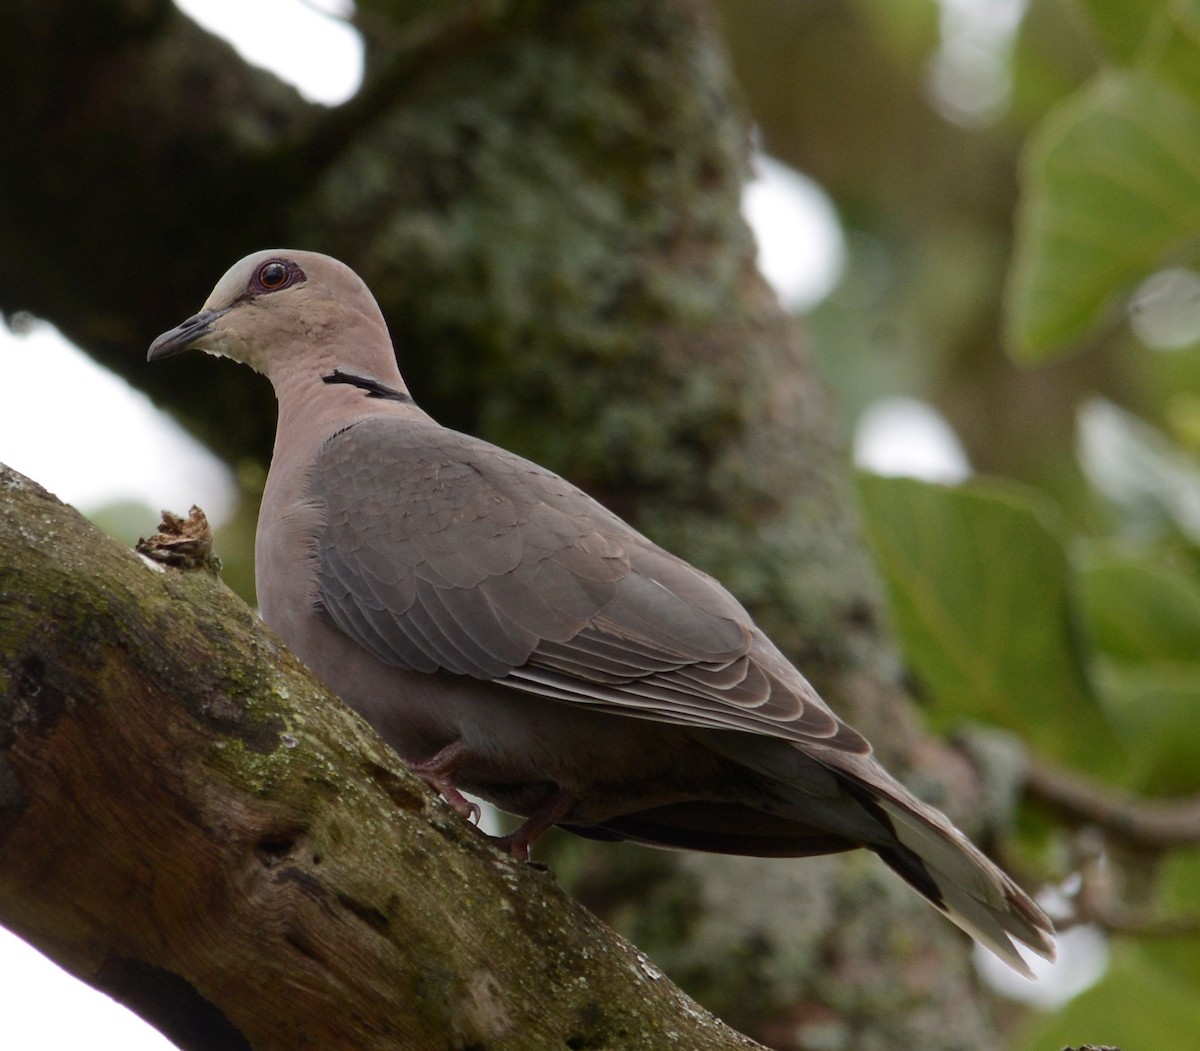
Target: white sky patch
{"points": [[91, 439], [46, 1009], [800, 246], [1082, 961], [909, 438], [308, 43], [1165, 310], [970, 75]]}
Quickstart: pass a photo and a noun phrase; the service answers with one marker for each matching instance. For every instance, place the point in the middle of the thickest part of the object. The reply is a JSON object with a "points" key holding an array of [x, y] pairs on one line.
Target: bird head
{"points": [[277, 305]]}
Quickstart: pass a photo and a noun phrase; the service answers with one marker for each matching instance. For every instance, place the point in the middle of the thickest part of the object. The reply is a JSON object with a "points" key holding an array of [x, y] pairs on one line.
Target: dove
{"points": [[512, 638]]}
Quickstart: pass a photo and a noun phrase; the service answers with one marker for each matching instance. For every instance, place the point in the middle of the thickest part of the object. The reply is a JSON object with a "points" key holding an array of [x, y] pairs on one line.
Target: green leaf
{"points": [[1173, 53], [1110, 186], [1122, 25], [1141, 612], [1178, 955], [979, 589], [1145, 620], [1136, 1005], [1155, 709]]}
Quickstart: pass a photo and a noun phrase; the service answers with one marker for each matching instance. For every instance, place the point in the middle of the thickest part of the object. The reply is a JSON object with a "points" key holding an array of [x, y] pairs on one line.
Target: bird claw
{"points": [[471, 811], [460, 803], [438, 773], [518, 843], [515, 845]]}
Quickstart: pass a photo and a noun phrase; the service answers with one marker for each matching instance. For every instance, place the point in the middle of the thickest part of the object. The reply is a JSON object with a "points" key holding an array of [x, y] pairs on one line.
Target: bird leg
{"points": [[438, 773], [540, 821]]}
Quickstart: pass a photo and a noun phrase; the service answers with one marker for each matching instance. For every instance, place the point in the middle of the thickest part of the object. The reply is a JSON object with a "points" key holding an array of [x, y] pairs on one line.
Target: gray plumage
{"points": [[511, 637]]}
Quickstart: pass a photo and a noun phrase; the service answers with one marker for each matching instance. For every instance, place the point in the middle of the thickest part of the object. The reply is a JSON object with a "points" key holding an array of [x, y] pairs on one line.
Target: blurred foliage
{"points": [[976, 575], [1114, 189], [1136, 1005], [1011, 267], [1112, 178]]}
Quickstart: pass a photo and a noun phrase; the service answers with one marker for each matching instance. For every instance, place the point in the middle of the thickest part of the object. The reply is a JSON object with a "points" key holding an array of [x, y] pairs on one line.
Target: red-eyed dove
{"points": [[512, 638]]}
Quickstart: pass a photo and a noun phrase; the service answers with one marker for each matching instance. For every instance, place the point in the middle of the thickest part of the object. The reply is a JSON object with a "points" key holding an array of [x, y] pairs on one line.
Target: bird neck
{"points": [[316, 402], [311, 411], [343, 367]]}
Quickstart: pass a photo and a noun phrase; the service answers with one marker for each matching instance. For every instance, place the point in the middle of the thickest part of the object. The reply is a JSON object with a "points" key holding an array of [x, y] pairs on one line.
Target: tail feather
{"points": [[813, 800], [963, 884]]}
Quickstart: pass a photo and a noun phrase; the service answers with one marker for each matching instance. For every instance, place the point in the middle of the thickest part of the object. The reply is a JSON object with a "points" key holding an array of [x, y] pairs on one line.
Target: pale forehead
{"points": [[323, 269], [237, 277]]}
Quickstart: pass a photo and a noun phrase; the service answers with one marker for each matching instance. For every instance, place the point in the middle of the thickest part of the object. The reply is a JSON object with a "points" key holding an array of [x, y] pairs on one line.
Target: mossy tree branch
{"points": [[191, 823]]}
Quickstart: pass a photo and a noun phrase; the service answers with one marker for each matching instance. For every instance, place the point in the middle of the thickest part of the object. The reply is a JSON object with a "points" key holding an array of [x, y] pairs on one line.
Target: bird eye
{"points": [[272, 275]]}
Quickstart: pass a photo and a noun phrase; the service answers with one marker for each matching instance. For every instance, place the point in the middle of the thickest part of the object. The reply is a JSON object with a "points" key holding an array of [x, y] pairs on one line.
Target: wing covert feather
{"points": [[440, 551]]}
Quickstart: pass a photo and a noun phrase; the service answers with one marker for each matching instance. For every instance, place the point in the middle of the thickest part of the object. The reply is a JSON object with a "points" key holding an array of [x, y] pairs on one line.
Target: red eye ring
{"points": [[273, 275]]}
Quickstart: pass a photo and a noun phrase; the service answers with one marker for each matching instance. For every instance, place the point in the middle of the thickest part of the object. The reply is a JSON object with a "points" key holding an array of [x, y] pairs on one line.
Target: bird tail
{"points": [[942, 865], [817, 800]]}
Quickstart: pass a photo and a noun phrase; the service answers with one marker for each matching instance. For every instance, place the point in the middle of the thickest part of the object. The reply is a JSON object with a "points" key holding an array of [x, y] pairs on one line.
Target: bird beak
{"points": [[185, 336]]}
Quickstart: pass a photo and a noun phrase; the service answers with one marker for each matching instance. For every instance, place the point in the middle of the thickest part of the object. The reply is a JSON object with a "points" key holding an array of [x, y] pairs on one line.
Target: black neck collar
{"points": [[372, 387]]}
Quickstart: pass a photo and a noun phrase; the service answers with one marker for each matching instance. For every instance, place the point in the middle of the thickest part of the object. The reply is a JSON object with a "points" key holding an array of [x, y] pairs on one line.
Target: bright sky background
{"points": [[134, 452]]}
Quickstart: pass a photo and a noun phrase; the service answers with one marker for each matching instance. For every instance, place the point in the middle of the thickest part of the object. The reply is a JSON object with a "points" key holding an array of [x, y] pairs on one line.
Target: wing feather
{"points": [[442, 552]]}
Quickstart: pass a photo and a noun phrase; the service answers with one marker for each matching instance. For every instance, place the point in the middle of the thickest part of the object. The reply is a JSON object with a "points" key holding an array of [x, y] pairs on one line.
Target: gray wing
{"points": [[440, 551]]}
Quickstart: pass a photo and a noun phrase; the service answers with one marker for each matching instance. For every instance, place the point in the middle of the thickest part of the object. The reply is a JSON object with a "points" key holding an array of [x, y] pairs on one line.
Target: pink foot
{"points": [[539, 822], [438, 773]]}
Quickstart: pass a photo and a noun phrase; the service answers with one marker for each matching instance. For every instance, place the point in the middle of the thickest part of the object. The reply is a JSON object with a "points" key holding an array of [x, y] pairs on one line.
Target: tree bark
{"points": [[191, 823]]}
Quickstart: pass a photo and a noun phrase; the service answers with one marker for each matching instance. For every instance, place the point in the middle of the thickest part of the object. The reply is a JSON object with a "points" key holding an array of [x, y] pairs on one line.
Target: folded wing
{"points": [[441, 552]]}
